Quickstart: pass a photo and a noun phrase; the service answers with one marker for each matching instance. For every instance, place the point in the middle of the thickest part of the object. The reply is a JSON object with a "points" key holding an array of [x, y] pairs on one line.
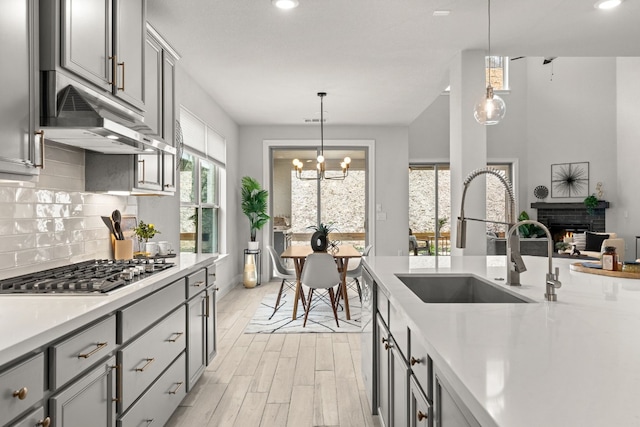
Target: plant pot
{"points": [[253, 246], [250, 275]]}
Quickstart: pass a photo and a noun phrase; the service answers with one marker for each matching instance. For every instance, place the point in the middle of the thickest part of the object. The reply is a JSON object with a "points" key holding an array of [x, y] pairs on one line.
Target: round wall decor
{"points": [[541, 192]]}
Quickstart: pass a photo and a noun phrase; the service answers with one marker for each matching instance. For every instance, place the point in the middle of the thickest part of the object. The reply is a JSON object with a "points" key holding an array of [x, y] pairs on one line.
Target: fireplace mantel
{"points": [[570, 205]]}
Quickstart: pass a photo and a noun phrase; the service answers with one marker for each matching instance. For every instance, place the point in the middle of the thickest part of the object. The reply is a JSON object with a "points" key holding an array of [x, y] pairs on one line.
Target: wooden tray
{"points": [[577, 266]]}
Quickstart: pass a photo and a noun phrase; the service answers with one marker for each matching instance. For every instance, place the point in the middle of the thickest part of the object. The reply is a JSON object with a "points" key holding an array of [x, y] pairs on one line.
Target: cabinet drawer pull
{"points": [[176, 335], [387, 346], [422, 416], [149, 421], [177, 388], [118, 397], [99, 346], [415, 361], [41, 165], [206, 309], [21, 394], [198, 284], [146, 365], [44, 423], [141, 181], [121, 64]]}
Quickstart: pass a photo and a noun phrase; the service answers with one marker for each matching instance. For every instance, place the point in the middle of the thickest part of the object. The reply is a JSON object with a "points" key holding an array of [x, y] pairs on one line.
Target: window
{"points": [[496, 69], [201, 176]]}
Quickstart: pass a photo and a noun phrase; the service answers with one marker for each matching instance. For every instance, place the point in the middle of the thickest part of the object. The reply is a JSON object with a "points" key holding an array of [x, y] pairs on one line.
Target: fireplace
{"points": [[563, 219]]}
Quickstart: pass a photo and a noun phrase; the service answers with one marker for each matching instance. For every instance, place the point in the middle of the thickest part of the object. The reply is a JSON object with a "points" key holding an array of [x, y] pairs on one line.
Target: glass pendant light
{"points": [[491, 108]]}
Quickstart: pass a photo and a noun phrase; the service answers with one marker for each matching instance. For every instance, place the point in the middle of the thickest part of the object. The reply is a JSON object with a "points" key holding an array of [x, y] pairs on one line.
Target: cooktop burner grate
{"points": [[87, 277]]}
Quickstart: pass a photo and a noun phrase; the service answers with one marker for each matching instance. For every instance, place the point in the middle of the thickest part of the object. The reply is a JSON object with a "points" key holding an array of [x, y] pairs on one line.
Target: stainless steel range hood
{"points": [[82, 118]]}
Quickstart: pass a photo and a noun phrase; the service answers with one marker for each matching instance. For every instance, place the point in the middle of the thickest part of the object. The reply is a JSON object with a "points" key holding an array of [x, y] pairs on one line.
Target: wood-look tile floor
{"points": [[275, 380]]}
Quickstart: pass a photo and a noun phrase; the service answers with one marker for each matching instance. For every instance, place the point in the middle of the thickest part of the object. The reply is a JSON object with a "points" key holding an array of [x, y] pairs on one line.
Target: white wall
{"points": [[391, 179], [628, 145], [564, 118], [165, 210]]}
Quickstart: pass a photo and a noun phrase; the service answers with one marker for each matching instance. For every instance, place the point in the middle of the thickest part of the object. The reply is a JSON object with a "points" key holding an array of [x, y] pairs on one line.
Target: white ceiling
{"points": [[380, 61]]}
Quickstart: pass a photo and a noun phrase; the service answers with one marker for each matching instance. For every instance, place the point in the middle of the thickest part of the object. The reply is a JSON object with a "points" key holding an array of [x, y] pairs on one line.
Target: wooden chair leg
{"points": [[338, 295], [359, 289], [306, 312], [304, 303], [277, 300], [333, 306]]}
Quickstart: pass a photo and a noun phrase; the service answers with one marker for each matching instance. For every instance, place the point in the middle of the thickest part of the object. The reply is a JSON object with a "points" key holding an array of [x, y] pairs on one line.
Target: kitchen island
{"points": [[573, 362]]}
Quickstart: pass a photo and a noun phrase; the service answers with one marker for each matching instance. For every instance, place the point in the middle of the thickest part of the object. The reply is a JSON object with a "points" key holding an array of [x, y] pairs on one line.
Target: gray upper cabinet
{"points": [[22, 149], [103, 42]]}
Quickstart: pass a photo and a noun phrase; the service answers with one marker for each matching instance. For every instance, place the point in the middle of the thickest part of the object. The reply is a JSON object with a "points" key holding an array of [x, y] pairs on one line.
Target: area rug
{"points": [[320, 317]]}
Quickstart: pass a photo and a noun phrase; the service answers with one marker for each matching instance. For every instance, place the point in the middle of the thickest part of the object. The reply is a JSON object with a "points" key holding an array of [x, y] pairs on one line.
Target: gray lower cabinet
{"points": [[36, 418], [210, 315], [22, 150], [158, 403], [196, 338], [382, 372], [399, 372], [419, 407], [448, 409], [21, 387], [91, 400]]}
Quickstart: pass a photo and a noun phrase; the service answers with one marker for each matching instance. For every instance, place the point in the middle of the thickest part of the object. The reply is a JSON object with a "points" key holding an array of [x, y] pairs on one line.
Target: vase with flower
{"points": [[144, 232]]}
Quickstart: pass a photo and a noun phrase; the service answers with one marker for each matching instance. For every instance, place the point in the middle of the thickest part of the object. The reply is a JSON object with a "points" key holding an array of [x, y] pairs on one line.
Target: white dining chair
{"points": [[355, 272], [288, 277], [320, 272]]}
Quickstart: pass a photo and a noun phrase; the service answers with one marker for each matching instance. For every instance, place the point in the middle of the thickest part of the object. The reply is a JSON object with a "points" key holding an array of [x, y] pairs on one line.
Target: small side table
{"points": [[252, 267]]}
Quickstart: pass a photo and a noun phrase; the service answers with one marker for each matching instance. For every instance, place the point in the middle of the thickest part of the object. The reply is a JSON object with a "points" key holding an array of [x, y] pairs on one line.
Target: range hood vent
{"points": [[85, 120]]}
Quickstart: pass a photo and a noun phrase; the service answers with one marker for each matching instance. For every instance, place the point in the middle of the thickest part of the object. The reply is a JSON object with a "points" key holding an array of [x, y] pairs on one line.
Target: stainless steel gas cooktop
{"points": [[87, 277]]}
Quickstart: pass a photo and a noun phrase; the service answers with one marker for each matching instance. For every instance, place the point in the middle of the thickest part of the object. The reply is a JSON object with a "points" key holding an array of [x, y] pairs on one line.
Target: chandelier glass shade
{"points": [[491, 108], [321, 172]]}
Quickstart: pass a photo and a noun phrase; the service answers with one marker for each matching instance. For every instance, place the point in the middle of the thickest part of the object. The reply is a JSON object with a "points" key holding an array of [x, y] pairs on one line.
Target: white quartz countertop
{"points": [[574, 362], [28, 322]]}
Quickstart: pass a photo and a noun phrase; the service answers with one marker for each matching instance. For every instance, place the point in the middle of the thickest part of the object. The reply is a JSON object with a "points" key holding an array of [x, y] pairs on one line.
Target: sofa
{"points": [[593, 244]]}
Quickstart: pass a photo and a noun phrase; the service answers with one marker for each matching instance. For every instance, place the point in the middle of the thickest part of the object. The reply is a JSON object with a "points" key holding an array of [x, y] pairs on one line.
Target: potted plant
{"points": [[320, 238], [254, 206], [529, 230], [591, 202]]}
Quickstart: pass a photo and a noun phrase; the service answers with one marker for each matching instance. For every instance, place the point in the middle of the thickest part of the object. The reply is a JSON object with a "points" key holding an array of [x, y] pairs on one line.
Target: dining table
{"points": [[342, 254]]}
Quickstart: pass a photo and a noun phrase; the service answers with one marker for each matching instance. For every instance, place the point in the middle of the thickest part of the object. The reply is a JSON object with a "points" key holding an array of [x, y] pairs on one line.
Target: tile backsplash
{"points": [[54, 222]]}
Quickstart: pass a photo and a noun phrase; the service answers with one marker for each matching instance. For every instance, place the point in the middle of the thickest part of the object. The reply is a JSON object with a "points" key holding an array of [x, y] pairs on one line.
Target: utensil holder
{"points": [[123, 249]]}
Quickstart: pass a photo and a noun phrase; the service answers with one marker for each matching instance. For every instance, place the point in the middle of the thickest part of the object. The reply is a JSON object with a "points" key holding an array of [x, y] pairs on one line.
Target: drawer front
{"points": [[21, 387], [196, 282], [398, 328], [34, 419], [383, 305], [142, 314], [418, 361], [158, 403], [146, 357], [78, 353]]}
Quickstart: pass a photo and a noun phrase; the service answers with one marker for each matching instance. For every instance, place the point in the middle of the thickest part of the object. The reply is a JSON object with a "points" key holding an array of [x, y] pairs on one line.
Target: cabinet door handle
{"points": [[146, 365], [177, 388], [21, 394], [387, 346], [176, 335], [149, 421], [422, 416], [44, 423], [114, 71], [99, 346], [41, 133], [141, 181], [121, 64], [118, 397], [206, 310], [415, 361], [198, 284]]}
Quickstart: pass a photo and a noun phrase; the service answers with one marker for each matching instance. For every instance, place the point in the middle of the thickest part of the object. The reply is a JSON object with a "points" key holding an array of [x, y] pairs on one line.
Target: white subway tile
{"points": [[7, 195]]}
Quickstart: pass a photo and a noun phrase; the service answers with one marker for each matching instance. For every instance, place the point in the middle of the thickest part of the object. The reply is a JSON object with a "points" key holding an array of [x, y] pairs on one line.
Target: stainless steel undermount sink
{"points": [[458, 289]]}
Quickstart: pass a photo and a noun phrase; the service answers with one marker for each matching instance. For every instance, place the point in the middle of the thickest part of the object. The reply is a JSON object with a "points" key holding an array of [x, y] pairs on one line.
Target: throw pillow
{"points": [[580, 240], [594, 241]]}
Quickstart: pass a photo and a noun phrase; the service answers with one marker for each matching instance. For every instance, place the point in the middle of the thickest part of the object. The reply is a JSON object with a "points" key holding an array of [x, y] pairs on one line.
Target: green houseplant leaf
{"points": [[591, 202], [254, 204]]}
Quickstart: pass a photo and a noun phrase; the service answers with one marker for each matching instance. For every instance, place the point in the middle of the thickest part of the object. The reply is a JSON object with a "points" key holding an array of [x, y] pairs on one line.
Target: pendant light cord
{"points": [[489, 37], [321, 124]]}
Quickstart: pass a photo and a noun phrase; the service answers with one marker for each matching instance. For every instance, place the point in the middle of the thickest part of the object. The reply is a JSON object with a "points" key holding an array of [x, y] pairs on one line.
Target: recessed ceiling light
{"points": [[285, 4], [607, 4], [441, 12]]}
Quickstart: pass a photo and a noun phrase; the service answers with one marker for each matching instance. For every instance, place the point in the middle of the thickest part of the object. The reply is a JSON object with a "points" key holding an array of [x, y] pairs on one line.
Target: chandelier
{"points": [[321, 164], [491, 108]]}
